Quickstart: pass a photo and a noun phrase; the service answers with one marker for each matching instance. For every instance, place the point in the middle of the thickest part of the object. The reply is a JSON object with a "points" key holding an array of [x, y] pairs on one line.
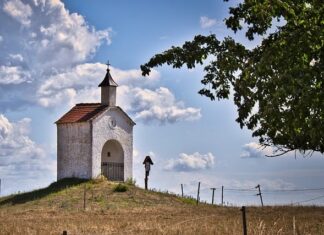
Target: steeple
{"points": [[108, 89]]}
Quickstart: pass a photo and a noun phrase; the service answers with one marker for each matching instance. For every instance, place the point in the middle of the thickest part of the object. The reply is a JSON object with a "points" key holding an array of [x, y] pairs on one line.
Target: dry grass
{"points": [[136, 211]]}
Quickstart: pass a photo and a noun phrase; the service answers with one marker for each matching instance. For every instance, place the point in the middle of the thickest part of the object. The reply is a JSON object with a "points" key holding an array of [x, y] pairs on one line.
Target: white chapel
{"points": [[96, 138]]}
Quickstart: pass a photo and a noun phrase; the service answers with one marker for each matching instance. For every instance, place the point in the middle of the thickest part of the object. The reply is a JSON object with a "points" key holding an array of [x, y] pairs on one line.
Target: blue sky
{"points": [[54, 55]]}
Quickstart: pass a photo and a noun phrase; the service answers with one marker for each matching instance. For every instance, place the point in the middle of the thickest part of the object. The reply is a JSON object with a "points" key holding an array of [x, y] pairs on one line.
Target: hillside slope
{"points": [[60, 207]]}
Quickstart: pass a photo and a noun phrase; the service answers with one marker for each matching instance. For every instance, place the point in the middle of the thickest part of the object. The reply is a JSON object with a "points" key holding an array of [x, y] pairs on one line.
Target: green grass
{"points": [[188, 200]]}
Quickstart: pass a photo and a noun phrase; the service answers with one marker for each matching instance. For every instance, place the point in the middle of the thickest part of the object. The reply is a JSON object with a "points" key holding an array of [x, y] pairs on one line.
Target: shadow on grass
{"points": [[40, 193]]}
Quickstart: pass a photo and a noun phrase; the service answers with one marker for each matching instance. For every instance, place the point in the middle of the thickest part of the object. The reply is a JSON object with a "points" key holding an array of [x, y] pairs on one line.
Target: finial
{"points": [[107, 64]]}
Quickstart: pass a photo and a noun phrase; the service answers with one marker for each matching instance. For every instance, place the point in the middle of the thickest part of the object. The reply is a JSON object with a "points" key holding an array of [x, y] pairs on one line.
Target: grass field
{"points": [[136, 211]]}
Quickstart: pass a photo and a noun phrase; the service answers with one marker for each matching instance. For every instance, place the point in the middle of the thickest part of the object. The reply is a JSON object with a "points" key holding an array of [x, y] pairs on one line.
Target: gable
{"points": [[118, 110]]}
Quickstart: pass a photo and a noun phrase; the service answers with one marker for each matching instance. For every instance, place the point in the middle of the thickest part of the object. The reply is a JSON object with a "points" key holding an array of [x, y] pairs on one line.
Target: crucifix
{"points": [[147, 164]]}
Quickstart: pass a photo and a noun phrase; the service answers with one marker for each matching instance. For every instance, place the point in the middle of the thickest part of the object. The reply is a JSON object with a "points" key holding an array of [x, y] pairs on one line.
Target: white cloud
{"points": [[191, 162], [52, 70], [19, 11], [1, 38], [136, 156], [78, 77], [64, 38], [206, 22], [55, 41], [133, 77], [65, 96], [254, 150], [79, 84], [21, 157], [17, 57], [13, 75], [159, 105], [89, 75]]}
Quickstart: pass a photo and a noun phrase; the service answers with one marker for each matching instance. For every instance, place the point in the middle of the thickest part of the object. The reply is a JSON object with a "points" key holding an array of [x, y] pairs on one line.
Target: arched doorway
{"points": [[112, 160]]}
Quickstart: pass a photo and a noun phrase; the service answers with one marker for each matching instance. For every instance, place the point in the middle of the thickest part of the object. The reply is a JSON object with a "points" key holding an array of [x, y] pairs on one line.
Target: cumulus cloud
{"points": [[254, 150], [133, 77], [49, 67], [147, 105], [21, 157], [13, 75], [89, 75], [19, 11], [80, 84], [55, 41], [16, 57], [206, 22], [191, 162], [159, 105]]}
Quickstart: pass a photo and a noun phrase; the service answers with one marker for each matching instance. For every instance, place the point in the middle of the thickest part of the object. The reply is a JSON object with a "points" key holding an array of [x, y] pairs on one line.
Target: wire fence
{"points": [[296, 196]]}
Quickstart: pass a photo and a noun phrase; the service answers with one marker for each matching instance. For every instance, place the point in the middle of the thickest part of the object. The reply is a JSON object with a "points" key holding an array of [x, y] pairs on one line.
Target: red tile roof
{"points": [[82, 113], [87, 111]]}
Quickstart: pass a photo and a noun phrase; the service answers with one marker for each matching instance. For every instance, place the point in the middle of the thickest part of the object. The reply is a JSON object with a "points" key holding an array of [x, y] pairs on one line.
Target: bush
{"points": [[120, 188]]}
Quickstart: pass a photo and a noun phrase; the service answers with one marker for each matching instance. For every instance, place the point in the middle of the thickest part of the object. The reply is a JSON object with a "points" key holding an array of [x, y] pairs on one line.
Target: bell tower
{"points": [[108, 89]]}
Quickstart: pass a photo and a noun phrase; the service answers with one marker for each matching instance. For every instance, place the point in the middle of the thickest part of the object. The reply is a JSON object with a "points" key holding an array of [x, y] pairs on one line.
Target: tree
{"points": [[278, 86]]}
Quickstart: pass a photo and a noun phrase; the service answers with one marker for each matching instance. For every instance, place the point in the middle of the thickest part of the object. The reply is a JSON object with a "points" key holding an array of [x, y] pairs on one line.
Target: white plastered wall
{"points": [[122, 132], [74, 150]]}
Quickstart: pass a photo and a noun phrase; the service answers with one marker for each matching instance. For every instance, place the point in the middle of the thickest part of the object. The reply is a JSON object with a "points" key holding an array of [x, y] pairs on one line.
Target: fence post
{"points": [[64, 232], [198, 192], [259, 194], [146, 179], [84, 198], [244, 220], [213, 195], [182, 190], [222, 195]]}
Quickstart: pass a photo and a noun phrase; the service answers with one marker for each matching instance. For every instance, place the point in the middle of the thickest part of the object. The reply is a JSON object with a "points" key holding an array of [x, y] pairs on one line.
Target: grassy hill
{"points": [[60, 207]]}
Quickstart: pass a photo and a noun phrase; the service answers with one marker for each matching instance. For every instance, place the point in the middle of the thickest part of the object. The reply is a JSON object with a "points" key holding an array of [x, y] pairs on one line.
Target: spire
{"points": [[108, 80], [108, 89]]}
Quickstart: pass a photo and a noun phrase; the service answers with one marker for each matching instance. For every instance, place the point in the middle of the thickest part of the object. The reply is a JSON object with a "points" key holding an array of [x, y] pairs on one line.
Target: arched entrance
{"points": [[112, 160]]}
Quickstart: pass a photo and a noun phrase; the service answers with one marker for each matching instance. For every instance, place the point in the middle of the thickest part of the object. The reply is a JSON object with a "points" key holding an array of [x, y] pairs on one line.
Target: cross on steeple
{"points": [[107, 64], [108, 89]]}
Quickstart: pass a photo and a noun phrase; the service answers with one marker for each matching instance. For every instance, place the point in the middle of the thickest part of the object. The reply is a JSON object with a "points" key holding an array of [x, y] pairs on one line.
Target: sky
{"points": [[53, 55]]}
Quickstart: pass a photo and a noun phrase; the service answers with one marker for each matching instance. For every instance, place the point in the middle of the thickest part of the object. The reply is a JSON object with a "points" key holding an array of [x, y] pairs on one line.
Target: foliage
{"points": [[120, 188], [277, 86]]}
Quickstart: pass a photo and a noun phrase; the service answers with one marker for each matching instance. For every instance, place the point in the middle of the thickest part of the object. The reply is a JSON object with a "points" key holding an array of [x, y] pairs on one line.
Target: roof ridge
{"points": [[85, 112], [80, 104]]}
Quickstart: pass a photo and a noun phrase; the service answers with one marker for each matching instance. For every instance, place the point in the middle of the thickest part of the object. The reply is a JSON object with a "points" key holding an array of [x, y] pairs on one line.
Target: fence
{"points": [[113, 171], [258, 194]]}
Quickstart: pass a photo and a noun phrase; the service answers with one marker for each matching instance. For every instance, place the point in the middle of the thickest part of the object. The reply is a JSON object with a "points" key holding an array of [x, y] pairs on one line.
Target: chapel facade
{"points": [[96, 139]]}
